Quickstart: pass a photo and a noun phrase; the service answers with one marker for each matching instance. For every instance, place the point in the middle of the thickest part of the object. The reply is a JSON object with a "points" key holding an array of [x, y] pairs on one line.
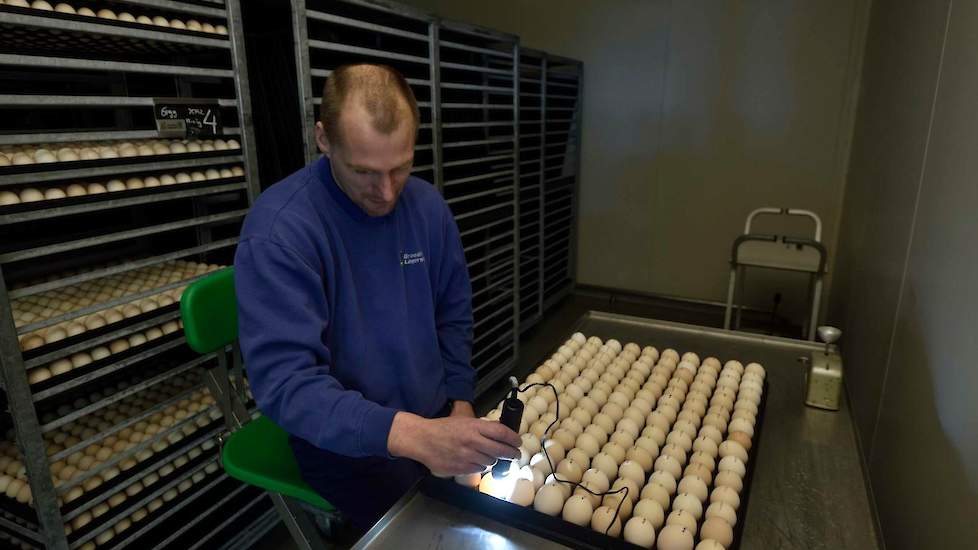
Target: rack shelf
{"points": [[110, 431]]}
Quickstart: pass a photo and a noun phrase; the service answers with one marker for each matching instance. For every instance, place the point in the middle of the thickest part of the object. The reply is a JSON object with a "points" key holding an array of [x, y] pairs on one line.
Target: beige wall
{"points": [[695, 113], [907, 291]]}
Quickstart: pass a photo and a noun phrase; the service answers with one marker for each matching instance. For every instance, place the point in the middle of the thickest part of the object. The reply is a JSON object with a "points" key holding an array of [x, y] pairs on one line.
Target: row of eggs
{"points": [[31, 194], [46, 153], [628, 468], [124, 523], [108, 288], [72, 470], [105, 13], [99, 425], [97, 353]]}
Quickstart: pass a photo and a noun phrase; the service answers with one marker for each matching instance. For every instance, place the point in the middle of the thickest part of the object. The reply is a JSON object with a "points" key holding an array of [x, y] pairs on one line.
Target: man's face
{"points": [[371, 168]]}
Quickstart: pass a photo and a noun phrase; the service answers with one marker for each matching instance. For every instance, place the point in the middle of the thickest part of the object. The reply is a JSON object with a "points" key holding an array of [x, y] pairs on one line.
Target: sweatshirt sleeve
{"points": [[453, 315], [282, 317]]}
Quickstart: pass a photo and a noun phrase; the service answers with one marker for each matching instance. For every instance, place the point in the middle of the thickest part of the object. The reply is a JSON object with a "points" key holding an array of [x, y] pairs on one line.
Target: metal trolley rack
{"points": [[533, 70], [561, 157], [479, 124], [111, 435]]}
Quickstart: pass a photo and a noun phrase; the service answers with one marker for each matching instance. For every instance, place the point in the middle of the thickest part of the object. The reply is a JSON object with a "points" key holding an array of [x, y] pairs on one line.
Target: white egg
{"points": [[605, 520], [675, 537], [723, 511], [651, 509], [578, 510], [640, 531], [106, 14], [29, 194], [8, 198], [75, 190], [549, 500]]}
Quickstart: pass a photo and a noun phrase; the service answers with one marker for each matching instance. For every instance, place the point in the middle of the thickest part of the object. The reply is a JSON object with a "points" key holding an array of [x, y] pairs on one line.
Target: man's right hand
{"points": [[453, 445]]}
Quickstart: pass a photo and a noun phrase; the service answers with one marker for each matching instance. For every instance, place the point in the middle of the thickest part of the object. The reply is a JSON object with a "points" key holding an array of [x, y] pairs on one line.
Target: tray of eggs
{"points": [[84, 192], [106, 16], [18, 159], [624, 447]]}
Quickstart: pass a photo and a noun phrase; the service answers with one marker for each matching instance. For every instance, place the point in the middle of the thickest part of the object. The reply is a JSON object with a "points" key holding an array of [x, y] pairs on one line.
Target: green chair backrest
{"points": [[258, 452], [210, 312]]}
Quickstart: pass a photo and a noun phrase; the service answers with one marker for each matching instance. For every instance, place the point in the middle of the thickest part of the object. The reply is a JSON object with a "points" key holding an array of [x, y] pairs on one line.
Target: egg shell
{"points": [[723, 511], [615, 450], [619, 502], [570, 470], [605, 520], [665, 479], [675, 537], [658, 493], [717, 530], [732, 448], [733, 464], [549, 500], [606, 464], [729, 479], [589, 491], [695, 486], [578, 510], [727, 495], [696, 469], [523, 492], [640, 532], [652, 510], [689, 503]]}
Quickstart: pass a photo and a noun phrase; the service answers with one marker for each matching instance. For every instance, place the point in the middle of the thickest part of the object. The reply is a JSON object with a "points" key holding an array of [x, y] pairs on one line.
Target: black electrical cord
{"points": [[553, 470]]}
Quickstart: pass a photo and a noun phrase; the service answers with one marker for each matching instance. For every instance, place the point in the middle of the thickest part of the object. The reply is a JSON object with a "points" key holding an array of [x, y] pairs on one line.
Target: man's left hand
{"points": [[462, 408]]}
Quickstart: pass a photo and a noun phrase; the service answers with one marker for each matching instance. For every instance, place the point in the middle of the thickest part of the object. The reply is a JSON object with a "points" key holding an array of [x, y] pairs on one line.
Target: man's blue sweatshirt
{"points": [[346, 319]]}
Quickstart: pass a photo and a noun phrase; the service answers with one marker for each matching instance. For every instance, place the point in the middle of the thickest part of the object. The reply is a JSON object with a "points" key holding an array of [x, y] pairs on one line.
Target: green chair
{"points": [[256, 451]]}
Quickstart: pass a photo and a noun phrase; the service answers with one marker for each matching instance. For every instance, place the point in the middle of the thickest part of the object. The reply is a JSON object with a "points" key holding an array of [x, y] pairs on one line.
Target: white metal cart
{"points": [[777, 252]]}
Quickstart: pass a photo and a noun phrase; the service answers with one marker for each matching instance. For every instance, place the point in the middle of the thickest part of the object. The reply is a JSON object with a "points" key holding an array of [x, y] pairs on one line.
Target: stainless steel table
{"points": [[808, 491]]}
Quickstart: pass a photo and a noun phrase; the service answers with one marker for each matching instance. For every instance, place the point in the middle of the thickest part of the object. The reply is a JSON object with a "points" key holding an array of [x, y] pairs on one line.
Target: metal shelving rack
{"points": [[103, 225], [561, 169], [532, 143], [479, 105]]}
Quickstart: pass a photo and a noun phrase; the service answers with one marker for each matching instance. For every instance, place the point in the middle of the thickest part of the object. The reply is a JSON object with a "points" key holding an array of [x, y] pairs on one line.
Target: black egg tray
{"points": [[554, 528]]}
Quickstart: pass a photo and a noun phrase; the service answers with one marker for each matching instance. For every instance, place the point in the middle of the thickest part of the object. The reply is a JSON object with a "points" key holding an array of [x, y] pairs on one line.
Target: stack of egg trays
{"points": [[79, 100]]}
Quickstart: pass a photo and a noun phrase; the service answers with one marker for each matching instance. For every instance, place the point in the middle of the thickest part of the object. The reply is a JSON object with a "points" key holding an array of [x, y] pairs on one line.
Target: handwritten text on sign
{"points": [[178, 117]]}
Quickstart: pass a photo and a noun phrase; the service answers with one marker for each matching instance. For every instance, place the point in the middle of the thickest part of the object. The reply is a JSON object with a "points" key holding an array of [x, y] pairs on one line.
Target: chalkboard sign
{"points": [[185, 117]]}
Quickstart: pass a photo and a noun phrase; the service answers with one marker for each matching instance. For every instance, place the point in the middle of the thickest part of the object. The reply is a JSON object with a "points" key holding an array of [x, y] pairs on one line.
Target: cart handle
{"points": [[786, 212]]}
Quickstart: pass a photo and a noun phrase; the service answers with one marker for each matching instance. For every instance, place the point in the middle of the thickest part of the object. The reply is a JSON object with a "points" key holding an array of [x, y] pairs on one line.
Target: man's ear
{"points": [[322, 141]]}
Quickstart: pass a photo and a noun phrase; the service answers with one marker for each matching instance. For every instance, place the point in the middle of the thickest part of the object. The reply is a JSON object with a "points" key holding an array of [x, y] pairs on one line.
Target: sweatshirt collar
{"points": [[324, 172]]}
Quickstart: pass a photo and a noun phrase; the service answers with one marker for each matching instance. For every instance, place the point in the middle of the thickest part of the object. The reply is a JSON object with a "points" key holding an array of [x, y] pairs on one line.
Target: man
{"points": [[355, 308]]}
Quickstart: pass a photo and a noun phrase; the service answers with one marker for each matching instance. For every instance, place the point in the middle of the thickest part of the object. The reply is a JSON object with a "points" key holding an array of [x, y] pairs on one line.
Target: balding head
{"points": [[378, 90]]}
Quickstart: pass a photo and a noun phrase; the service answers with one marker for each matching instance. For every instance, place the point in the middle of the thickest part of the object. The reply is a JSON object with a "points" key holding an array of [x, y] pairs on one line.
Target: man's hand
{"points": [[451, 446], [462, 408]]}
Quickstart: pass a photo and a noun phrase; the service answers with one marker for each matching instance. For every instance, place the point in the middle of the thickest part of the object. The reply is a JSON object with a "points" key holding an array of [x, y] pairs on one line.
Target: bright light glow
{"points": [[502, 488]]}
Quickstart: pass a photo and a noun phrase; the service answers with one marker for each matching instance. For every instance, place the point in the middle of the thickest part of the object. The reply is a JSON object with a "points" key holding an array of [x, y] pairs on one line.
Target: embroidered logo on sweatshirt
{"points": [[411, 258]]}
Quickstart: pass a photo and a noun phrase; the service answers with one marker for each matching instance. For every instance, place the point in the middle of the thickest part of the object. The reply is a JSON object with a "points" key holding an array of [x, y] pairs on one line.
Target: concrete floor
{"points": [[538, 343]]}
